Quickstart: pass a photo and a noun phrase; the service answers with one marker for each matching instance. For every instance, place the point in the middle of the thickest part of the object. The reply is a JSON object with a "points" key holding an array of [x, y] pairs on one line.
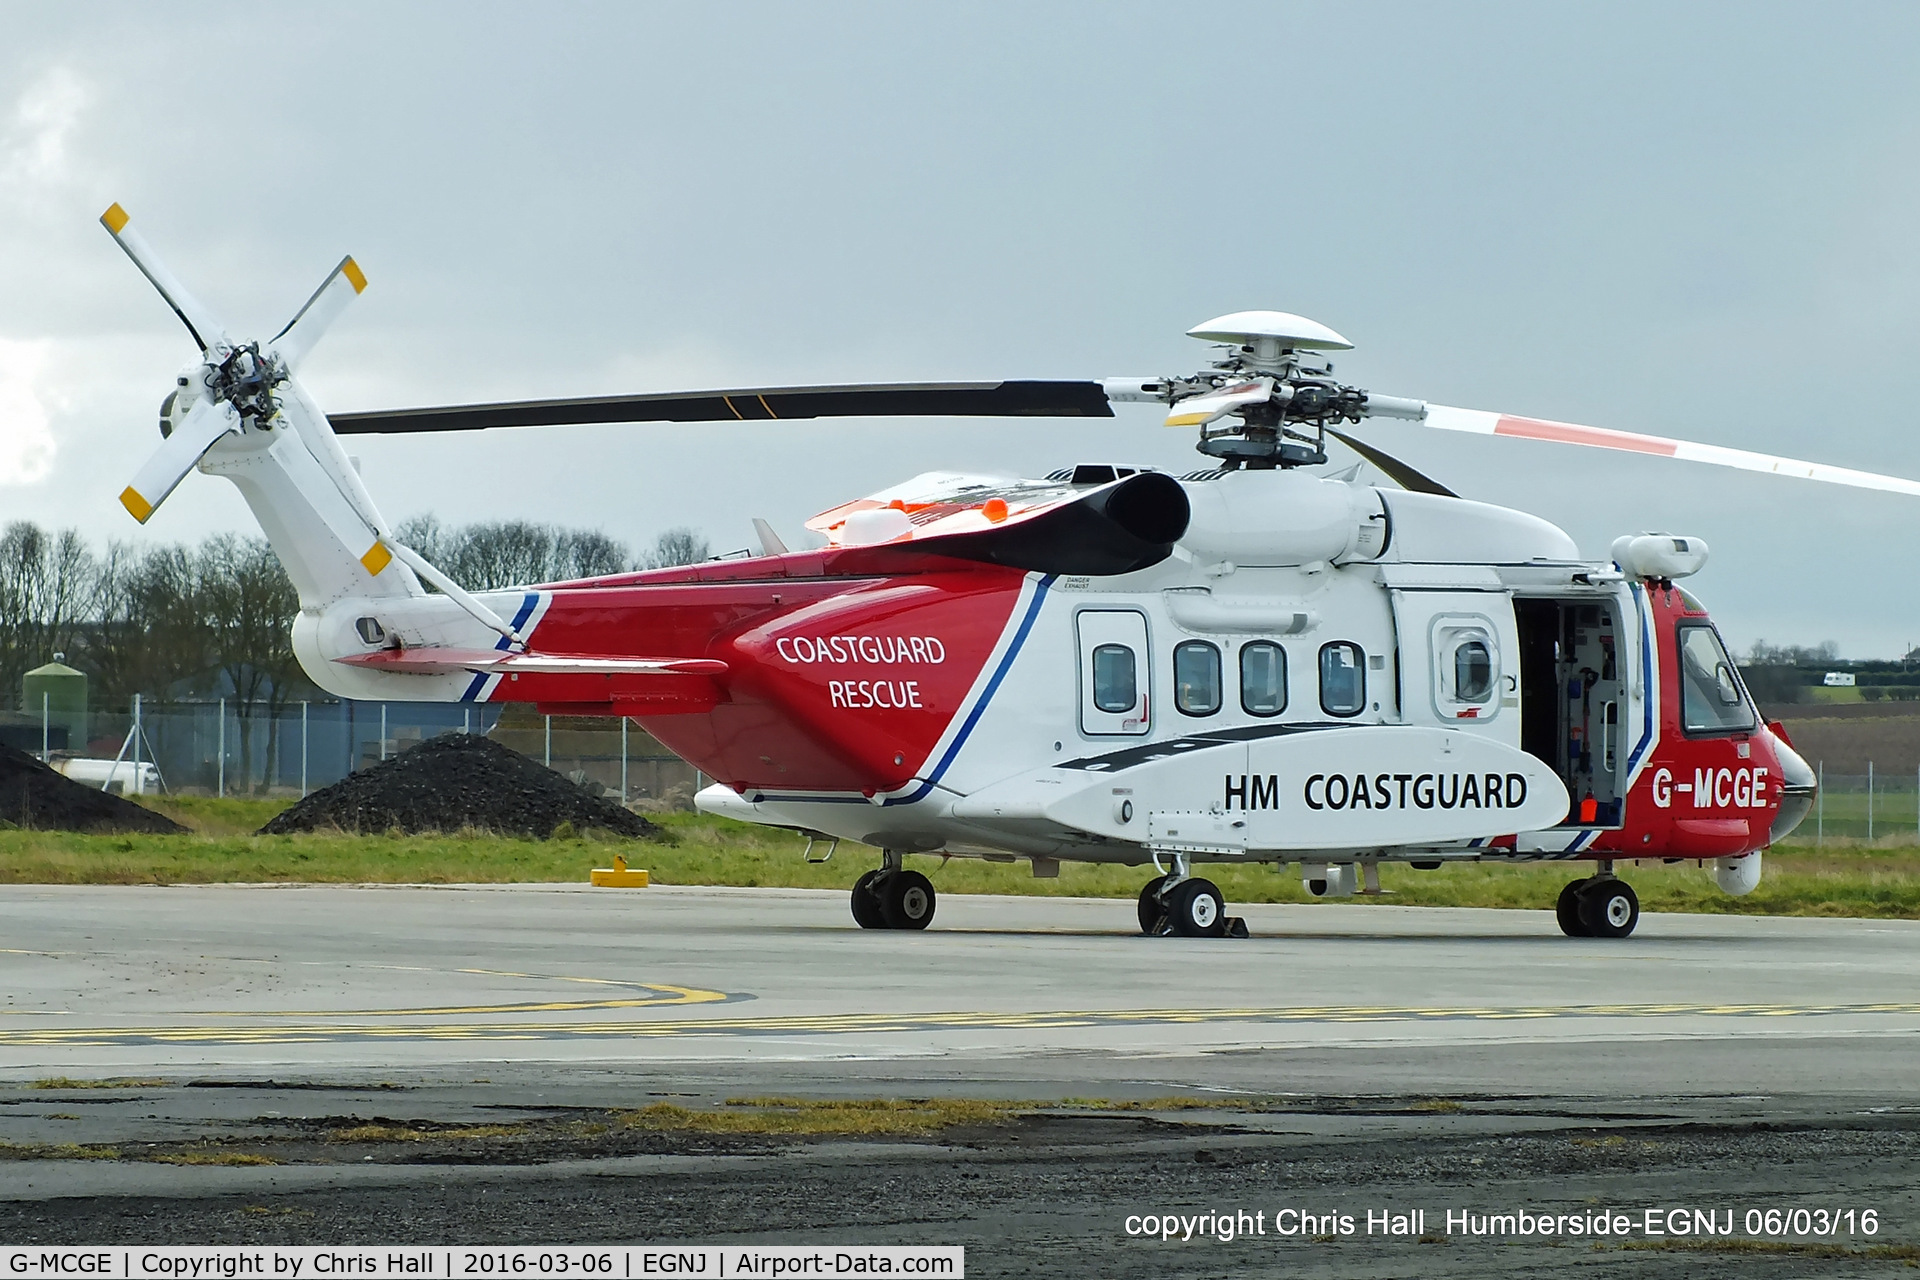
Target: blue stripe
{"points": [[966, 728], [979, 708], [527, 606], [1651, 675], [528, 603]]}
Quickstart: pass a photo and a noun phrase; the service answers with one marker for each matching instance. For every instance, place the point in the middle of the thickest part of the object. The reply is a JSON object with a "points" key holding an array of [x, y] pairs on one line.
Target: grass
{"points": [[808, 1117], [55, 1151], [77, 1151], [114, 1082], [1839, 878]]}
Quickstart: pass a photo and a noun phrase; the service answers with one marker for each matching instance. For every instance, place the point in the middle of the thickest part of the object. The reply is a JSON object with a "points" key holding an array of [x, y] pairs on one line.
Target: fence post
{"points": [[138, 789], [549, 759], [623, 759], [223, 749], [1869, 802], [1820, 804], [383, 731], [46, 723], [466, 721], [303, 751]]}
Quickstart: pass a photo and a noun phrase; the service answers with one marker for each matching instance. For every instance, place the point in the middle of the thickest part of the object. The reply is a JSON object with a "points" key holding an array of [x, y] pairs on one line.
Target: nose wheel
{"points": [[1598, 907], [1188, 908], [892, 898]]}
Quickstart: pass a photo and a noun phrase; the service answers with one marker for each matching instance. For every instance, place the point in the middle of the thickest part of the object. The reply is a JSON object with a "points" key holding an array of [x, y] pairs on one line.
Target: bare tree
{"points": [[149, 632], [513, 553], [677, 546], [249, 604], [588, 554], [48, 585]]}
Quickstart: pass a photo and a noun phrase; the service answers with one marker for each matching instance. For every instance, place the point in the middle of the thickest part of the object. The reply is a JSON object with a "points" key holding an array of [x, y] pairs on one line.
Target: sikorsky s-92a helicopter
{"points": [[1248, 663]]}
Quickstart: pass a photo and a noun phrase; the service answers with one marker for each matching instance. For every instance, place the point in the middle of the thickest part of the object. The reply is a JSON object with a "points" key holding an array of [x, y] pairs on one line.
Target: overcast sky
{"points": [[1695, 220]]}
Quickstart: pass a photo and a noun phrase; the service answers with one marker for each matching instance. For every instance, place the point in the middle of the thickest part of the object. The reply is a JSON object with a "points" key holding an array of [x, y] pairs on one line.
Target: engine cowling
{"points": [[1280, 518]]}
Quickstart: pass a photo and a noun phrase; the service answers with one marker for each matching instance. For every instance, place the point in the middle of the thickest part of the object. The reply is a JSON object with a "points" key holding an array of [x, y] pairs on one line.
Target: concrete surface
{"points": [[1413, 1053]]}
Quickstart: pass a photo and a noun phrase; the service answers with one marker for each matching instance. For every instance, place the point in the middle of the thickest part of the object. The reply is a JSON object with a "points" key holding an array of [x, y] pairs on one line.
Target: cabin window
{"points": [[1343, 678], [1711, 699], [1263, 678], [1196, 678], [1473, 672], [1114, 686]]}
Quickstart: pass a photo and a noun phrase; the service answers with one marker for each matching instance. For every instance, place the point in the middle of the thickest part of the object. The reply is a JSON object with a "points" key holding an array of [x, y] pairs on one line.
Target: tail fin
{"points": [[238, 412], [312, 505]]}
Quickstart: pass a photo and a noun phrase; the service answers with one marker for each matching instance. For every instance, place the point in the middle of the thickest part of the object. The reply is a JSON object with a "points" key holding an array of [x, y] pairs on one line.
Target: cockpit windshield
{"points": [[1711, 698]]}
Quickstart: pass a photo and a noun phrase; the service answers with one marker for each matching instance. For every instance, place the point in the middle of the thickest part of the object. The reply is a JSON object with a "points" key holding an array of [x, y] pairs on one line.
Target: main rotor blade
{"points": [[1399, 472], [1480, 422], [863, 400], [169, 464], [207, 331], [312, 320]]}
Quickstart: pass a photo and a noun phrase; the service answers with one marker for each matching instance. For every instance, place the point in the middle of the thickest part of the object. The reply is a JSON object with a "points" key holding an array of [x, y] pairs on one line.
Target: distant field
{"points": [[1843, 878]]}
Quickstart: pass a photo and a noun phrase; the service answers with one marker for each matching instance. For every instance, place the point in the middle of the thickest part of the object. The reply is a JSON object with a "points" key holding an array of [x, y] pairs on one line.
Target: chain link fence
{"points": [[209, 748], [1875, 805]]}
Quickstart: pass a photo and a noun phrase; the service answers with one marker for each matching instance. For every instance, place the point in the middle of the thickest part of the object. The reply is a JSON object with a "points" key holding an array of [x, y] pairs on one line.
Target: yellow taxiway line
{"points": [[875, 1023]]}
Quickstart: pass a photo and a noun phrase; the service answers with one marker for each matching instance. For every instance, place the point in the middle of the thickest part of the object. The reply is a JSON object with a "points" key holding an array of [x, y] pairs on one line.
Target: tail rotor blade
{"points": [[1480, 422], [207, 331], [312, 320], [206, 423]]}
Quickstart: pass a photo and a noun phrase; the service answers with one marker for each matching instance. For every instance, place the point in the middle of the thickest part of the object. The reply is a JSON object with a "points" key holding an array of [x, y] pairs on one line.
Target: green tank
{"points": [[62, 691]]}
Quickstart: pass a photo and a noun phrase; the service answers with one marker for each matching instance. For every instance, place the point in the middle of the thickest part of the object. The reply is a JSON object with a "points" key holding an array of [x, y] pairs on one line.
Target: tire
{"points": [[1153, 913], [1567, 910], [1609, 908], [906, 900], [866, 902], [1196, 910]]}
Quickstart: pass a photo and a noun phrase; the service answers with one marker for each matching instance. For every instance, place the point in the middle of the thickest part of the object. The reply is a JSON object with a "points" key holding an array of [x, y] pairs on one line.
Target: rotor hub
{"points": [[246, 379]]}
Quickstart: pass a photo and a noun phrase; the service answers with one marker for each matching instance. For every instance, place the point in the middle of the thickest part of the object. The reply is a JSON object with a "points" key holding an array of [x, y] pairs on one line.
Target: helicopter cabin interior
{"points": [[1571, 692]]}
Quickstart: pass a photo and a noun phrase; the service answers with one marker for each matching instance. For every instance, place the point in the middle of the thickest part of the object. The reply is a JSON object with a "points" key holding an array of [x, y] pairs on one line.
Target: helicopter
{"points": [[1248, 663]]}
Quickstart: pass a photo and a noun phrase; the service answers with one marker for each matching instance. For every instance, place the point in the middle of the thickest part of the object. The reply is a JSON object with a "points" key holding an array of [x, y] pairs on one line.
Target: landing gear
{"points": [[1153, 915], [1179, 904], [1566, 910], [906, 900], [1598, 907], [889, 897], [1608, 908], [866, 903], [1195, 909]]}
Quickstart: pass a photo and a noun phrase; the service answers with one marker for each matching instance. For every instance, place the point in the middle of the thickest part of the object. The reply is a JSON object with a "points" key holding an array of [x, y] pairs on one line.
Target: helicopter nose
{"points": [[1800, 788]]}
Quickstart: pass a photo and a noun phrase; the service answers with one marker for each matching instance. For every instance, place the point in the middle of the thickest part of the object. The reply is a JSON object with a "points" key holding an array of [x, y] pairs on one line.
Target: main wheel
{"points": [[866, 902], [906, 900], [1567, 910], [1196, 910], [1609, 909], [1153, 913]]}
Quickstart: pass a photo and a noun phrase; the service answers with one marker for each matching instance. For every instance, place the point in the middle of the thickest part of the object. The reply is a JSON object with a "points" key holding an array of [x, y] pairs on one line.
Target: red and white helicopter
{"points": [[1250, 663]]}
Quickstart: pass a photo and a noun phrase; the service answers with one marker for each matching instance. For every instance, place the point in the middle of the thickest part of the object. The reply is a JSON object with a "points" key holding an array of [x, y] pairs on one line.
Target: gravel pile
{"points": [[454, 782], [34, 796]]}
